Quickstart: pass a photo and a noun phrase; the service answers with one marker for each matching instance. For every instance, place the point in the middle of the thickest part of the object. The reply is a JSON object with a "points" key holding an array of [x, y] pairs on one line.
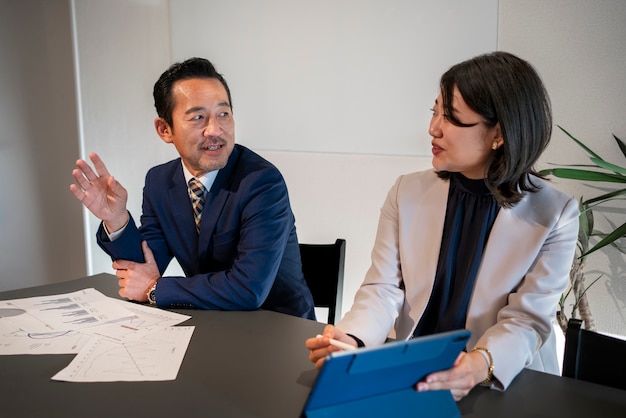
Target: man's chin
{"points": [[214, 165]]}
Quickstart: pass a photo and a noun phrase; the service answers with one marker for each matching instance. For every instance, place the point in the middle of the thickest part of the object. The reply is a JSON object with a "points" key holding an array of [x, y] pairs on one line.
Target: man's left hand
{"points": [[135, 279]]}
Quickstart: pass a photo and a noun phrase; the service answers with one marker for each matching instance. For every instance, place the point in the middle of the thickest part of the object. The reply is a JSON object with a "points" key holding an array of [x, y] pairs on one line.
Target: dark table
{"points": [[250, 364]]}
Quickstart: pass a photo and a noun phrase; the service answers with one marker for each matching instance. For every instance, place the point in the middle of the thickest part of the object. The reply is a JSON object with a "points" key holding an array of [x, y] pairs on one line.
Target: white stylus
{"points": [[339, 344]]}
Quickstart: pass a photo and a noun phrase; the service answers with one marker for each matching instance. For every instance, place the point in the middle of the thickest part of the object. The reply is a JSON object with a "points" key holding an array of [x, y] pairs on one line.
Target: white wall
{"points": [[579, 47], [349, 76]]}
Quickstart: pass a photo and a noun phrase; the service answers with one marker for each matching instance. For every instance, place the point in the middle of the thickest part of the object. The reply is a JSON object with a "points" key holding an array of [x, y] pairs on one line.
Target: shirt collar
{"points": [[206, 180]]}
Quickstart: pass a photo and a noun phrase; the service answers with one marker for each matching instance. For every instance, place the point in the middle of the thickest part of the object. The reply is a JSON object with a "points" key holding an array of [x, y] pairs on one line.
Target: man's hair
{"points": [[191, 68], [504, 89]]}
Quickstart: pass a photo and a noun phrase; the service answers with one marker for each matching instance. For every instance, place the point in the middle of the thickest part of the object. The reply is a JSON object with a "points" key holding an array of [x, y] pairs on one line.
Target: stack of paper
{"points": [[114, 340]]}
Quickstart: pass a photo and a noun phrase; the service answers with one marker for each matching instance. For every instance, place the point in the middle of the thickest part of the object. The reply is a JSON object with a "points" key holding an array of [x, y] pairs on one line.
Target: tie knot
{"points": [[196, 188]]}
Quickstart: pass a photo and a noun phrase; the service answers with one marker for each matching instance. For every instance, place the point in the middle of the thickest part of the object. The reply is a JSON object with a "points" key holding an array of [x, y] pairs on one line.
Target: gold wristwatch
{"points": [[151, 293]]}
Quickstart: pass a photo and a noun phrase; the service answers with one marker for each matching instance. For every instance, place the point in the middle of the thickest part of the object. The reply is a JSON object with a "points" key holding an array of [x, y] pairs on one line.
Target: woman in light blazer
{"points": [[480, 242]]}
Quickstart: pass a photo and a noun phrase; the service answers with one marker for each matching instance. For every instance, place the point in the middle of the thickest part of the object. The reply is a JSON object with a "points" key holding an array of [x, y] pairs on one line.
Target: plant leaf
{"points": [[611, 167], [583, 146], [620, 144], [609, 239], [585, 175], [606, 196]]}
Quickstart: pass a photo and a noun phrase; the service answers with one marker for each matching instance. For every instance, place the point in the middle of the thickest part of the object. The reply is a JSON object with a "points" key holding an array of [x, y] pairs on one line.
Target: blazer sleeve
{"points": [[127, 246], [380, 297]]}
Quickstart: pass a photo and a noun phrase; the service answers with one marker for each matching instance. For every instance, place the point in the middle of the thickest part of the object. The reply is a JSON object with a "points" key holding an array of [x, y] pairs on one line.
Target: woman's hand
{"points": [[320, 346], [468, 370]]}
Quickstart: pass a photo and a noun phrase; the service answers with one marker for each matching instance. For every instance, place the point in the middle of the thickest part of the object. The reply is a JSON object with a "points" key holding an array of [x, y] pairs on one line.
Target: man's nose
{"points": [[212, 128]]}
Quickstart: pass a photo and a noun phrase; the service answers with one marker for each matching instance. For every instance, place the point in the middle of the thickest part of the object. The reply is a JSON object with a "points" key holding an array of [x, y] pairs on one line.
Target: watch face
{"points": [[151, 295]]}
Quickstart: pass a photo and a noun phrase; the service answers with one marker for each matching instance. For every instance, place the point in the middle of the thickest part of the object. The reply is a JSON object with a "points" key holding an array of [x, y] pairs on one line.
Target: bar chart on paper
{"points": [[71, 311]]}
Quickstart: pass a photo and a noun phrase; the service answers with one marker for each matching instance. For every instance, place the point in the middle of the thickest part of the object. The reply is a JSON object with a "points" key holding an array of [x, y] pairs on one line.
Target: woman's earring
{"points": [[494, 146]]}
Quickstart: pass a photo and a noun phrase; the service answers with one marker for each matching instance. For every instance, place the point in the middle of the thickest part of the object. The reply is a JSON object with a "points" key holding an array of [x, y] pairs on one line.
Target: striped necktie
{"points": [[196, 192]]}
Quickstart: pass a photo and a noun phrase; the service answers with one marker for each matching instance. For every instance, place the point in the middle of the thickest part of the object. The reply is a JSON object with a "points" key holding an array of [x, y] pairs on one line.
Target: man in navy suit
{"points": [[243, 253]]}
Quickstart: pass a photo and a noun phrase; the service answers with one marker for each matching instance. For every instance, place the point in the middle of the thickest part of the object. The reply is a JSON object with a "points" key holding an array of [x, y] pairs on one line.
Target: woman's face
{"points": [[462, 149]]}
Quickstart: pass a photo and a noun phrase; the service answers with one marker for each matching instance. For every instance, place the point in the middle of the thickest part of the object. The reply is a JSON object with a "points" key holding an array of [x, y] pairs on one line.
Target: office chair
{"points": [[322, 266], [594, 357]]}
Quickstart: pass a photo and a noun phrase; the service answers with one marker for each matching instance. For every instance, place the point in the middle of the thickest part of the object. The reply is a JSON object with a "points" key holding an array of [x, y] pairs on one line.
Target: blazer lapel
{"points": [[179, 202], [216, 199], [513, 239], [511, 236], [423, 217], [183, 220]]}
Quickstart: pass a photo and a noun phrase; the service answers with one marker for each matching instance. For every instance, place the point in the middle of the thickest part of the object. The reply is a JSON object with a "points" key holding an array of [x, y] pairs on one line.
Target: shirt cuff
{"points": [[114, 235]]}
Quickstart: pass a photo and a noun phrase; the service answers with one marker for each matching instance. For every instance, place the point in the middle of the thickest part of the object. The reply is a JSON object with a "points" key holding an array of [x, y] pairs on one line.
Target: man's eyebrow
{"points": [[194, 109], [202, 108]]}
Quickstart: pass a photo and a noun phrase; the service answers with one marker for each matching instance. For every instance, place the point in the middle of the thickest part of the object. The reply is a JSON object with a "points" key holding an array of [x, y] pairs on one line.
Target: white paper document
{"points": [[114, 340], [145, 319], [14, 340], [29, 326], [156, 356], [71, 311]]}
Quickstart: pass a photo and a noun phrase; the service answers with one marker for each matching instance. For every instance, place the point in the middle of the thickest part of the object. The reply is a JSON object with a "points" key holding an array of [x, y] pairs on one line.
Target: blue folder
{"points": [[380, 381]]}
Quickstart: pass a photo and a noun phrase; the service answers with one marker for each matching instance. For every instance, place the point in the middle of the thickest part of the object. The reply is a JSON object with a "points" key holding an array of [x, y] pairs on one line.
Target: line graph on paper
{"points": [[156, 356], [18, 341]]}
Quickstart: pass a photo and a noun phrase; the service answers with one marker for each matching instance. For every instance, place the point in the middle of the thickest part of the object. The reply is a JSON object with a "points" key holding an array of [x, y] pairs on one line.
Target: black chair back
{"points": [[594, 357], [323, 266]]}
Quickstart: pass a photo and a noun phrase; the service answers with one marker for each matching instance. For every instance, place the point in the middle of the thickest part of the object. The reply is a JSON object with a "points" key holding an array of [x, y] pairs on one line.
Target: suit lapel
{"points": [[182, 217], [426, 214], [216, 199], [511, 237], [179, 201]]}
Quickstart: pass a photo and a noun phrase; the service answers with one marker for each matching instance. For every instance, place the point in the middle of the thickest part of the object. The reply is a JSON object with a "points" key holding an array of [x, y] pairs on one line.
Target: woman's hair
{"points": [[504, 89]]}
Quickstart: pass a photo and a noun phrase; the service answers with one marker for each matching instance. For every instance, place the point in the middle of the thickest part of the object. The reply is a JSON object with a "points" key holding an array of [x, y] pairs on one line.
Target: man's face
{"points": [[203, 129]]}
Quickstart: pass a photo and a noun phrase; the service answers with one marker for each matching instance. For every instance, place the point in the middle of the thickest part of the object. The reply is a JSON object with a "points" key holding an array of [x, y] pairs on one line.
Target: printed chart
{"points": [[156, 356]]}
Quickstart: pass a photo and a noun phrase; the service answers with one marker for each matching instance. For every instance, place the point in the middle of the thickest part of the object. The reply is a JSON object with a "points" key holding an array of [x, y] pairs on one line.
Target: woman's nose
{"points": [[435, 126]]}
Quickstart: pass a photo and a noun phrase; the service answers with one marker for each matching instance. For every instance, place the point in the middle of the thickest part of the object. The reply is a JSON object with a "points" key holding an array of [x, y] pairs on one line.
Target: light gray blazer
{"points": [[524, 270]]}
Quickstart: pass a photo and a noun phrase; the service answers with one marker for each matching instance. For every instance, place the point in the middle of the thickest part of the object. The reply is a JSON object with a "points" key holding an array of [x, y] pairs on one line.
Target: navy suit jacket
{"points": [[246, 255]]}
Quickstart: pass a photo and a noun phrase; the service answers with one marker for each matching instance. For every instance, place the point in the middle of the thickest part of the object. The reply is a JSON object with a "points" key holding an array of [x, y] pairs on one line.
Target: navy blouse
{"points": [[470, 214]]}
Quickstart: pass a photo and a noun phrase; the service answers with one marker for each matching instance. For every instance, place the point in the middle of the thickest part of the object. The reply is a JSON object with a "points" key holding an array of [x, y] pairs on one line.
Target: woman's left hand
{"points": [[468, 370]]}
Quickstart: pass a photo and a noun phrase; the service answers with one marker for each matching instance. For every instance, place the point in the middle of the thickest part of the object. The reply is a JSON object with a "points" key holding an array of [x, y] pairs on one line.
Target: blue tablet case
{"points": [[380, 381]]}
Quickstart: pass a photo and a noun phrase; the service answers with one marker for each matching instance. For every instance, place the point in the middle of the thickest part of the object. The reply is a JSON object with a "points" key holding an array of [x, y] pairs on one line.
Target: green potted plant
{"points": [[615, 177]]}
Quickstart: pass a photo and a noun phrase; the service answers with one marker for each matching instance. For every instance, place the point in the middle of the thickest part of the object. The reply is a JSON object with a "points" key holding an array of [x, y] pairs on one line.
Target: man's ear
{"points": [[163, 130]]}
